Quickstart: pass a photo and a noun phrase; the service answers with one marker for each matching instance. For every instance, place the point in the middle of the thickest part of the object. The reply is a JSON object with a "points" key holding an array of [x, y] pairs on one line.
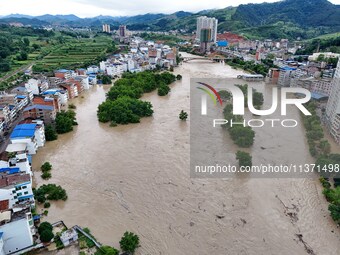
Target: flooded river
{"points": [[136, 178]]}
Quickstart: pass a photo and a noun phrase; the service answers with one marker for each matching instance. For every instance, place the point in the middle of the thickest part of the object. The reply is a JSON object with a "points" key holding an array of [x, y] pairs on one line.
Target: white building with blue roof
{"points": [[22, 101], [286, 73], [23, 91], [84, 80], [333, 107], [33, 135], [17, 158], [16, 196], [61, 94]]}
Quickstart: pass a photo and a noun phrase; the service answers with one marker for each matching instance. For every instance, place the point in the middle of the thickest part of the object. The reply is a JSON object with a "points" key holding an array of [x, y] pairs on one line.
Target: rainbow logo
{"points": [[211, 94]]}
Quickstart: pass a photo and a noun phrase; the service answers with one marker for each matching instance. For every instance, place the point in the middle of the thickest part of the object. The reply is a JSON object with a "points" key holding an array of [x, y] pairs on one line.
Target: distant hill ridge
{"points": [[288, 18]]}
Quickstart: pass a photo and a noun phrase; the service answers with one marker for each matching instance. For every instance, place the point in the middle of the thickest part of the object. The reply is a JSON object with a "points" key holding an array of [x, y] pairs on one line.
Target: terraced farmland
{"points": [[74, 53]]}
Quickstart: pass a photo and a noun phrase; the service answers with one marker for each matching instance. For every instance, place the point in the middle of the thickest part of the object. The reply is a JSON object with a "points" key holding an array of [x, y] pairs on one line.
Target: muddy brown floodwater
{"points": [[136, 178]]}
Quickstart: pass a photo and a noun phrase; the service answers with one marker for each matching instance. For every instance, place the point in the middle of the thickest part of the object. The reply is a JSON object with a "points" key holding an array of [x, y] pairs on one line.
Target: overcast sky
{"points": [[91, 8]]}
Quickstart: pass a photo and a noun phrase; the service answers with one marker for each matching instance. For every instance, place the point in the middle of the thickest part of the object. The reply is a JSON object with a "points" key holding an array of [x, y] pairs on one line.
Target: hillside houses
{"points": [[32, 98], [26, 110], [32, 105], [17, 229], [142, 55], [314, 76]]}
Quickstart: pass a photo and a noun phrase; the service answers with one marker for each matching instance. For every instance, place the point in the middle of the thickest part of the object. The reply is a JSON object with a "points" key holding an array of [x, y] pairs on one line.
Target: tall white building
{"points": [[205, 22], [286, 73], [333, 106], [36, 86], [106, 28]]}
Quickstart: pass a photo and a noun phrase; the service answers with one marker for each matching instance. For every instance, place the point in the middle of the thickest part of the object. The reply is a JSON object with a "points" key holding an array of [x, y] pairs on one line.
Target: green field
{"points": [[74, 53], [46, 51], [328, 36]]}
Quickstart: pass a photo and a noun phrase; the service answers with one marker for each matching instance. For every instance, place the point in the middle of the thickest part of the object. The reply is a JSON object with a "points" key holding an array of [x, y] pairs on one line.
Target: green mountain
{"points": [[58, 18], [289, 18], [25, 21], [284, 19], [301, 12]]}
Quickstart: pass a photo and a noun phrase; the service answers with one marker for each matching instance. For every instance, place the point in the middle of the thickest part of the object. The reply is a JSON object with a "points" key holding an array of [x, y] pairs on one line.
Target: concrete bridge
{"points": [[212, 59], [231, 53], [224, 55]]}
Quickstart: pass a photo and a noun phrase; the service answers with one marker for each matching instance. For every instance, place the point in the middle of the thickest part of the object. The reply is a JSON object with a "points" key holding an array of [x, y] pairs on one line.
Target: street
{"points": [[6, 137]]}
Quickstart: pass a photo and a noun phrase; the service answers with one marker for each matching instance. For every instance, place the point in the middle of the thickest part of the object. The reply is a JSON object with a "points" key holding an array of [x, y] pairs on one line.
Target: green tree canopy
{"points": [[244, 158], [46, 236], [129, 242], [46, 167], [44, 226], [50, 192], [107, 250], [124, 110], [163, 90], [50, 133], [65, 120], [183, 115], [225, 95], [26, 41]]}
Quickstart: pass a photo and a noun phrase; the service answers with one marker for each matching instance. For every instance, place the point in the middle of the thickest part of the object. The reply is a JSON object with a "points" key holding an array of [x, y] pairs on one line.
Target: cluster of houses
{"points": [[315, 76], [24, 112], [42, 97], [17, 231], [309, 72], [321, 79], [142, 55], [29, 108]]}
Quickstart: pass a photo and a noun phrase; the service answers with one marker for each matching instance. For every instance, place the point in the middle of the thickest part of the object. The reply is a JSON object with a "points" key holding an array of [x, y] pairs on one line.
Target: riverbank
{"points": [[136, 177]]}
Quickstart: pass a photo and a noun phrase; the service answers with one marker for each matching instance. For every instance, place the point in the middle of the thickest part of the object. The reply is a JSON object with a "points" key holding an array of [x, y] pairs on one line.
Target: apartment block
{"points": [[45, 113], [37, 86], [204, 22], [285, 76], [71, 89]]}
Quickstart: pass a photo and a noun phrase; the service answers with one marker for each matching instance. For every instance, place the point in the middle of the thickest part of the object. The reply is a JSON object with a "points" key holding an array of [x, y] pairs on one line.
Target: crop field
{"points": [[74, 53]]}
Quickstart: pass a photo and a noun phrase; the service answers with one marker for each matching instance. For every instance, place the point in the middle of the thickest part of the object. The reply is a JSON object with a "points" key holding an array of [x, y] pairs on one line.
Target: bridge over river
{"points": [[225, 55], [213, 59]]}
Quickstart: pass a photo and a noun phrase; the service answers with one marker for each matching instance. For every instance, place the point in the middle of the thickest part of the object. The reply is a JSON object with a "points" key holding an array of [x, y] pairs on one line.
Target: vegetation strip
{"points": [[122, 105], [319, 148]]}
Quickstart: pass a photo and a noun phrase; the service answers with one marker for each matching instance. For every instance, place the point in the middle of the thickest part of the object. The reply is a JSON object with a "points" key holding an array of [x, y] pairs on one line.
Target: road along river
{"points": [[136, 178]]}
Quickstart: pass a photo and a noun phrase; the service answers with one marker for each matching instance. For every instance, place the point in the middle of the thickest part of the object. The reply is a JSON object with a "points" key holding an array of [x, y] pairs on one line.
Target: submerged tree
{"points": [[163, 90], [50, 133], [46, 236], [244, 158], [129, 242], [183, 115], [65, 121], [46, 167]]}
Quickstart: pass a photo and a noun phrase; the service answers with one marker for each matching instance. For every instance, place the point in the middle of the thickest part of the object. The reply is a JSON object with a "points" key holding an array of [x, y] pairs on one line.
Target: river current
{"points": [[136, 177]]}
